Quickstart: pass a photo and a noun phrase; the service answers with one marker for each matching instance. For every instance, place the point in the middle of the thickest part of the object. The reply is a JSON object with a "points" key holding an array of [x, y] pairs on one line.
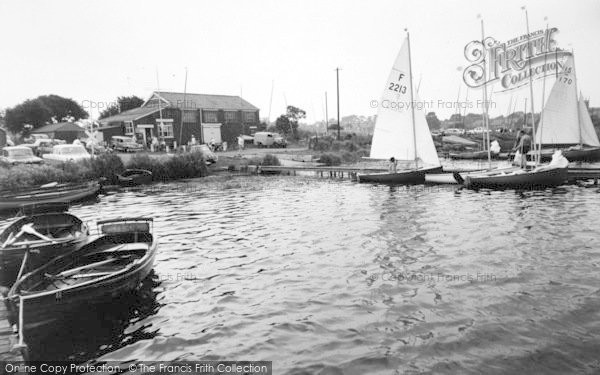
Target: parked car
{"points": [[19, 155], [268, 139], [64, 153], [96, 148], [206, 152], [43, 146], [126, 144]]}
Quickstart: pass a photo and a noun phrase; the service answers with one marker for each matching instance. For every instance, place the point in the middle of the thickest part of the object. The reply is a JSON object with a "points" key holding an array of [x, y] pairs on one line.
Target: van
{"points": [[268, 139], [126, 144]]}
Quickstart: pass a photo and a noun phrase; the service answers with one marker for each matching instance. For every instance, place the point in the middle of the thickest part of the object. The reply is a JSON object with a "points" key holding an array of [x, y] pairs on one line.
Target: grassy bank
{"points": [[14, 178]]}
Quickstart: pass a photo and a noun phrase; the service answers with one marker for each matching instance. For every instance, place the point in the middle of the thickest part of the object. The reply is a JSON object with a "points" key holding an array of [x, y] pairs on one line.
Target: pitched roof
{"points": [[61, 126], [130, 115], [205, 101]]}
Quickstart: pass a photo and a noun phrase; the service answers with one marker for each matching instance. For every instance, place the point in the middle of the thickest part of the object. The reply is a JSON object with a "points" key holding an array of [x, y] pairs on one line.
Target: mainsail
{"points": [[565, 119], [588, 133], [393, 134]]}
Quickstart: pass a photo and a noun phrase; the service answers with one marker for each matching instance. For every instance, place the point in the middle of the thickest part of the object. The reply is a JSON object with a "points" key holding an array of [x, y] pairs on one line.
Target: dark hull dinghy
{"points": [[113, 264], [51, 193], [42, 233], [472, 155], [575, 153], [415, 176], [540, 178], [134, 177]]}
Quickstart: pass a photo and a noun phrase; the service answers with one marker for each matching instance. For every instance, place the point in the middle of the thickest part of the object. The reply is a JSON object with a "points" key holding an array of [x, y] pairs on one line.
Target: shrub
{"points": [[270, 160], [186, 165], [26, 176], [330, 159], [107, 166]]}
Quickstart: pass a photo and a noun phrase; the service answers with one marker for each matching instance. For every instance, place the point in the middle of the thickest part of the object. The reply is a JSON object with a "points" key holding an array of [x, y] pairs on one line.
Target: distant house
{"points": [[67, 131], [161, 117]]}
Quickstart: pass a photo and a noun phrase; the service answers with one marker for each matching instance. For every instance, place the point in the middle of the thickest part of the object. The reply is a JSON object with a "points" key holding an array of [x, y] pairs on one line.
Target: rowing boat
{"points": [[112, 264], [133, 177], [52, 193], [42, 232]]}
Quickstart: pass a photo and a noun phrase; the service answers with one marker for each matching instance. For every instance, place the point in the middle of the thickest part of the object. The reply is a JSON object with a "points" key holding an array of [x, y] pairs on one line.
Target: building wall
{"points": [[230, 130]]}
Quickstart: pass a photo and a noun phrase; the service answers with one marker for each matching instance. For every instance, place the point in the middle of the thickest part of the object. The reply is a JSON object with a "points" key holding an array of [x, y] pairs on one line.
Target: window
{"points": [[211, 116], [128, 127], [189, 116], [231, 116], [249, 117], [165, 130]]}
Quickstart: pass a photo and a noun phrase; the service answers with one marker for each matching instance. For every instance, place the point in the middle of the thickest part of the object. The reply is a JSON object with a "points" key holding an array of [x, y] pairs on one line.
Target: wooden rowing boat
{"points": [[44, 232], [134, 177], [110, 265], [58, 193]]}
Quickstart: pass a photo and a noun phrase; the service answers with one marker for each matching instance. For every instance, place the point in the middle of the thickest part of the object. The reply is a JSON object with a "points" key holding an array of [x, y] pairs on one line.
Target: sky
{"points": [[94, 51]]}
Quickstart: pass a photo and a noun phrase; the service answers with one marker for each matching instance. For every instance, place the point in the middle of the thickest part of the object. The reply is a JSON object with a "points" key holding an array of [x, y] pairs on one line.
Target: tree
{"points": [[283, 125], [294, 114], [433, 121], [124, 103], [42, 110]]}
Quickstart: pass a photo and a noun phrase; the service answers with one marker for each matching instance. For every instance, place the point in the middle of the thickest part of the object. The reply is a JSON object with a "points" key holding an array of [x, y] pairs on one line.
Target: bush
{"points": [[26, 176], [270, 160], [330, 159], [186, 165], [107, 166]]}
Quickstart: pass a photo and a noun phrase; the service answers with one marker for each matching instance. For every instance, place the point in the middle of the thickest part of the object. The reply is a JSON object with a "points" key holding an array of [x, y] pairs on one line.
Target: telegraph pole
{"points": [[337, 76]]}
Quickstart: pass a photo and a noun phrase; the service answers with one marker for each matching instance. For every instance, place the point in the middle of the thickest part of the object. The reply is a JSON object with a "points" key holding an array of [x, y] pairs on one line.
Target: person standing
{"points": [[524, 147], [392, 165]]}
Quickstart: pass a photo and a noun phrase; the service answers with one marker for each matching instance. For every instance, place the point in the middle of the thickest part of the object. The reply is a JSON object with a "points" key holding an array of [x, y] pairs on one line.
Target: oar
{"points": [[75, 271]]}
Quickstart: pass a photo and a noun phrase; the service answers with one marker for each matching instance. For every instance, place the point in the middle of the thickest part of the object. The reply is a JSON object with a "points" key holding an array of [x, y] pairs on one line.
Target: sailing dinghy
{"points": [[565, 121], [401, 130]]}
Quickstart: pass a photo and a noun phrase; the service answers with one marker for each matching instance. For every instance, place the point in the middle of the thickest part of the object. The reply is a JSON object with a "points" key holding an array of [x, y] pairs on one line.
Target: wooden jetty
{"points": [[575, 173], [9, 349]]}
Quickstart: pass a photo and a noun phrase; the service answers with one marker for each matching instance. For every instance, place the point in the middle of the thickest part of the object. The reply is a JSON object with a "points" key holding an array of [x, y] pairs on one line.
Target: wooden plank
{"points": [[7, 338]]}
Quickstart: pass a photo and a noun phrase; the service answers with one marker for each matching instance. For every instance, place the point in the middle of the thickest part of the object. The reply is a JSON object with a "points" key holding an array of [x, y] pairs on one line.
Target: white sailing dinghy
{"points": [[566, 122], [401, 130]]}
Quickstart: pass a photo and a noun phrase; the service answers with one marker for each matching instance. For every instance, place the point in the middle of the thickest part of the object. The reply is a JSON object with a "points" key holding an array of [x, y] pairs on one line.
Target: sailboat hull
{"points": [[585, 153], [526, 180], [473, 155], [403, 177]]}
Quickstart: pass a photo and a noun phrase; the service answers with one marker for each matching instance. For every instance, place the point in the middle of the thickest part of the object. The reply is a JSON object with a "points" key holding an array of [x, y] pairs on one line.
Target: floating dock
{"points": [[575, 173], [8, 340]]}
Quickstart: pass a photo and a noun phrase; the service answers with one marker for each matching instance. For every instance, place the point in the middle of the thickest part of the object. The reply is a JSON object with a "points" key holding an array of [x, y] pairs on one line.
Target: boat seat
{"points": [[125, 227], [124, 247]]}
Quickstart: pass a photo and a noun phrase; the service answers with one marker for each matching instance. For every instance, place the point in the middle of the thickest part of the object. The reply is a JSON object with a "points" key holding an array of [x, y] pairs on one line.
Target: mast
{"points": [[326, 116], [541, 127], [184, 105], [529, 57], [160, 127], [270, 102], [577, 95], [412, 104], [337, 79], [485, 113]]}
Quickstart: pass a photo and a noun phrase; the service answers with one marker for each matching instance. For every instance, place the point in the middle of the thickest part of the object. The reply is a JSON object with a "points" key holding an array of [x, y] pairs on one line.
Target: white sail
{"points": [[564, 120], [588, 133], [393, 135]]}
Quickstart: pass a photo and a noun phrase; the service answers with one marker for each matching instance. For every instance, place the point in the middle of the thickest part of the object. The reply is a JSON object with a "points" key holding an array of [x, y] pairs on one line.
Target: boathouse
{"points": [[67, 131], [161, 117]]}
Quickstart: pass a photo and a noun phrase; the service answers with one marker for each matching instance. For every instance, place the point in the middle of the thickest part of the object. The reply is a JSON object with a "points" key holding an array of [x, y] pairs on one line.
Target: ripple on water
{"points": [[324, 276]]}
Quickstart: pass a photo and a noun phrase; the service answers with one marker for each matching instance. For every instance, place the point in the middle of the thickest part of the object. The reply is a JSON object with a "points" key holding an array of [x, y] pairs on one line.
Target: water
{"points": [[329, 276]]}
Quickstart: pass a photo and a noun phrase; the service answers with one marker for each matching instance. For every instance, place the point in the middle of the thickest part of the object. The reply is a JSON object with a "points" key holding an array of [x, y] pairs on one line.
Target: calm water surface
{"points": [[331, 277]]}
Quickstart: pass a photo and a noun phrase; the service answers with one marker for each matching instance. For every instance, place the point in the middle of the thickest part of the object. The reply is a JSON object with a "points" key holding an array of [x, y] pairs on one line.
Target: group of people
{"points": [[522, 144]]}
